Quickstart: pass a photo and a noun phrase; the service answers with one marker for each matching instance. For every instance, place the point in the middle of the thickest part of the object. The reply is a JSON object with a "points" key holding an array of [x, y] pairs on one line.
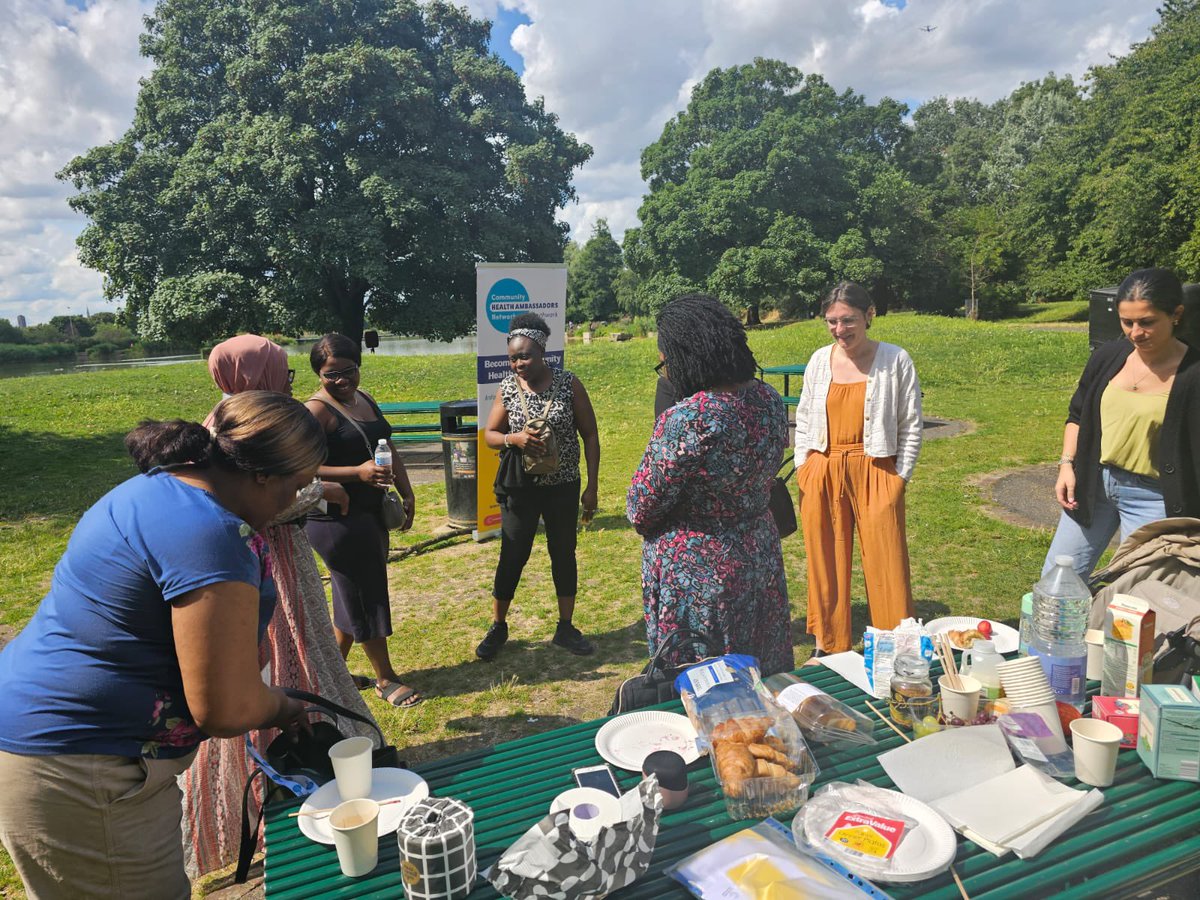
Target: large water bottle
{"points": [[383, 454], [1061, 602]]}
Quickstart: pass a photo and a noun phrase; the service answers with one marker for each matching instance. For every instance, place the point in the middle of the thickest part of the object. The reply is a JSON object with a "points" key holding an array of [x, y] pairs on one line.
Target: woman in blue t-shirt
{"points": [[146, 644]]}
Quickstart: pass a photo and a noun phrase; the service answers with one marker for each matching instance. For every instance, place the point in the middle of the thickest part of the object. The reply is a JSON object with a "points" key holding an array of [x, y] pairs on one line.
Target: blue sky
{"points": [[614, 72]]}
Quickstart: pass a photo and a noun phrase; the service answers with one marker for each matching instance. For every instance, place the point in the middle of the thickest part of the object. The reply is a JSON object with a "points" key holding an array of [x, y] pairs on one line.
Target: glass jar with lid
{"points": [[910, 684]]}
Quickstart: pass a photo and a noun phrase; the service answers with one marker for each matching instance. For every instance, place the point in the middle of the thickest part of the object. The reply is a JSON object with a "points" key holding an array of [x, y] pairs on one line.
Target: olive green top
{"points": [[1129, 425]]}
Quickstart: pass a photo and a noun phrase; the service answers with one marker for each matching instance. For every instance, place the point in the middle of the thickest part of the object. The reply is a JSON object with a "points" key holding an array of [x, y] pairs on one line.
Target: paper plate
{"points": [[923, 852], [1006, 638], [386, 784], [627, 740]]}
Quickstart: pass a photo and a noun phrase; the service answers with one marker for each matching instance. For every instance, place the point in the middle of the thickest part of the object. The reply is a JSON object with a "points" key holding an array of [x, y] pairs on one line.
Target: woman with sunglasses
{"points": [[858, 432], [554, 497], [299, 648], [354, 545]]}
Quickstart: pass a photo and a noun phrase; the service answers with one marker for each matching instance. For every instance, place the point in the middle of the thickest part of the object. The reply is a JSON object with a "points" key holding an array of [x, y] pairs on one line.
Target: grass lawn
{"points": [[62, 434]]}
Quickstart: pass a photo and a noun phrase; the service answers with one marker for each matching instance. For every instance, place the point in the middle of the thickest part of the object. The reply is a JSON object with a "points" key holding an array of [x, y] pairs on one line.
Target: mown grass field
{"points": [[61, 439]]}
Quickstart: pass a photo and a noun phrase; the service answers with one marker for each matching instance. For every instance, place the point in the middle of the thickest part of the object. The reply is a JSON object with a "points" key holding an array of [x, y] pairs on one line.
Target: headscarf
{"points": [[248, 363], [536, 335]]}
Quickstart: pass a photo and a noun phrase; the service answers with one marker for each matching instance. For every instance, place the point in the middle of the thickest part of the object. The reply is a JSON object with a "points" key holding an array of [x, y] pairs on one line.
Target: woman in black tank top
{"points": [[354, 546]]}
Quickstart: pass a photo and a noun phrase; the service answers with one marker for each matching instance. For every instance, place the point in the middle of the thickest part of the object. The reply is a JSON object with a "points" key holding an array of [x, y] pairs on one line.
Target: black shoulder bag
{"points": [[656, 682], [783, 510], [299, 767]]}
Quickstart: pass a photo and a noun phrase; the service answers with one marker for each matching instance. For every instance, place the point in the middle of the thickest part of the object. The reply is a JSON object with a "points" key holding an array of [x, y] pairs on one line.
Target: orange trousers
{"points": [[842, 490]]}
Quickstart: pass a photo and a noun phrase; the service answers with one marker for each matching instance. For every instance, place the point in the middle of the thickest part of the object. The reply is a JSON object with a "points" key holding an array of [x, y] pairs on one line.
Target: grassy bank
{"points": [[62, 440]]}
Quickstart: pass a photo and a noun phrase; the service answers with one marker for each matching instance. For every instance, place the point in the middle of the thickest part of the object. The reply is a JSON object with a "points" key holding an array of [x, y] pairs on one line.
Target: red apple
{"points": [[985, 628]]}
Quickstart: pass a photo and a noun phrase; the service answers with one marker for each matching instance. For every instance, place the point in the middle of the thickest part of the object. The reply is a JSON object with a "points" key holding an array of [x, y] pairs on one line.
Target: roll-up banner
{"points": [[502, 291]]}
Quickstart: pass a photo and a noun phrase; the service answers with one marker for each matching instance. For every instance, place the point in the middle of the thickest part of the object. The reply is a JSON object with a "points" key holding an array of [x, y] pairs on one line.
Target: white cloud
{"points": [[614, 72]]}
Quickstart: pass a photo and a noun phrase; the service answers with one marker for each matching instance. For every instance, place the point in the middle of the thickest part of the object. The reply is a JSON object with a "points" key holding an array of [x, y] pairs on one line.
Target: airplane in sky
{"points": [[928, 28]]}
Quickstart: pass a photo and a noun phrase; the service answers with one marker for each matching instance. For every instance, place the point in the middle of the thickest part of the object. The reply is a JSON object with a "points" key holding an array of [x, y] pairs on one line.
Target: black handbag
{"points": [[292, 761], [780, 503], [656, 682]]}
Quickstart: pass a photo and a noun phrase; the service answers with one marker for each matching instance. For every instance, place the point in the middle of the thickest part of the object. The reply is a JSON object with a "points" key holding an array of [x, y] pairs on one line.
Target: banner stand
{"points": [[502, 291]]}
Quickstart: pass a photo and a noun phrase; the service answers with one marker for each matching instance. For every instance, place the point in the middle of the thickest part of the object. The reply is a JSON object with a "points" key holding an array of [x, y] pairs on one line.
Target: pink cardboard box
{"points": [[1122, 712]]}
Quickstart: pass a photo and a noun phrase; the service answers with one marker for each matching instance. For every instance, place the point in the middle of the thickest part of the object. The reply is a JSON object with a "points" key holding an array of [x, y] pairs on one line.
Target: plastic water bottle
{"points": [[1061, 602], [383, 454], [1026, 623]]}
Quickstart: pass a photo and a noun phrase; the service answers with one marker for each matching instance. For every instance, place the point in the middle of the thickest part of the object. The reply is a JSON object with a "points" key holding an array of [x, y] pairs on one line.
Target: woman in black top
{"points": [[354, 546], [1123, 466]]}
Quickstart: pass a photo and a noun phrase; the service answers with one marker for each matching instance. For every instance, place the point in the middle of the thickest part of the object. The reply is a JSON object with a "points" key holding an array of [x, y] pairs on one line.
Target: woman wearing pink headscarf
{"points": [[299, 650]]}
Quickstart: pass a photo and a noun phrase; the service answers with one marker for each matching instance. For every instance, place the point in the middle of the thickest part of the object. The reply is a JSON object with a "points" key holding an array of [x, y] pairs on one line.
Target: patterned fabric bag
{"points": [[549, 861], [547, 463]]}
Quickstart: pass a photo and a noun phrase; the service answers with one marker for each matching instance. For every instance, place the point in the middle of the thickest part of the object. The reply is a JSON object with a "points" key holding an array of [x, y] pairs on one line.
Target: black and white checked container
{"points": [[437, 849]]}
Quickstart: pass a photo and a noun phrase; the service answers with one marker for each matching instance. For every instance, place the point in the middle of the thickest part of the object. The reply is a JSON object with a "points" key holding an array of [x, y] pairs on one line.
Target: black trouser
{"points": [[558, 505]]}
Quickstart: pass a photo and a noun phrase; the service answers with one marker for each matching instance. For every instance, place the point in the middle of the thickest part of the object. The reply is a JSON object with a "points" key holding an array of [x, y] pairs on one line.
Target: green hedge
{"points": [[12, 353]]}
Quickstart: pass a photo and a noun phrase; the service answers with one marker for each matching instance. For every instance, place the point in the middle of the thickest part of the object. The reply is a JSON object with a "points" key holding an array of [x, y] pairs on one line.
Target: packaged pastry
{"points": [[757, 750], [821, 717]]}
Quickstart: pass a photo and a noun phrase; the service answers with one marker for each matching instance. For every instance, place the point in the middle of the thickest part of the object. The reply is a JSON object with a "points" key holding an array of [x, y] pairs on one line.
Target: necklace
{"points": [[1134, 386]]}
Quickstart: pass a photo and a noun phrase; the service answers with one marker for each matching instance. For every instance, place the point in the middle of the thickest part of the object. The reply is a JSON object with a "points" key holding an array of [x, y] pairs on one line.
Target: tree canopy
{"points": [[592, 276], [298, 164]]}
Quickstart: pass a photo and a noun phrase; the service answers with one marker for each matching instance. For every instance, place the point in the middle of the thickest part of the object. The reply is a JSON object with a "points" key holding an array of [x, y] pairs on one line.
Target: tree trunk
{"points": [[752, 317], [346, 303]]}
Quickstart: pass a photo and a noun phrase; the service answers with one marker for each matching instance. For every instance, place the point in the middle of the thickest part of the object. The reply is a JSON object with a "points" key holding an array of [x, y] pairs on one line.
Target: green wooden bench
{"points": [[415, 432]]}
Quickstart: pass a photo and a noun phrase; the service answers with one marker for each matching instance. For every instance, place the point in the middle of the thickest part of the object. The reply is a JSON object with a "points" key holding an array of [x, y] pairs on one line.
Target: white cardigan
{"points": [[891, 414]]}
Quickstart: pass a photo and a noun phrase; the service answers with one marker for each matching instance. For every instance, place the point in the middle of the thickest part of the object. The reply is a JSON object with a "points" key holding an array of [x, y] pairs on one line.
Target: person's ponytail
{"points": [[169, 443]]}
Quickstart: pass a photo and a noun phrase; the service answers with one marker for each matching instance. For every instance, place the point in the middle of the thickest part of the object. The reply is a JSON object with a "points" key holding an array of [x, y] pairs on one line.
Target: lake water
{"points": [[388, 346]]}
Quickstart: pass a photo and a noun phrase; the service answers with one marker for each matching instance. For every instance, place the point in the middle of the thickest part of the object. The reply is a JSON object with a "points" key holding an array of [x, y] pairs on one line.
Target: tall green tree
{"points": [[297, 163], [592, 275], [767, 187]]}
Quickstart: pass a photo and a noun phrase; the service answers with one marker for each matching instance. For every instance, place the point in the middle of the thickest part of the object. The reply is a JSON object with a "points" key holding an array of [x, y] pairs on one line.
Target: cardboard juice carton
{"points": [[1169, 732], [1128, 646], [1123, 712]]}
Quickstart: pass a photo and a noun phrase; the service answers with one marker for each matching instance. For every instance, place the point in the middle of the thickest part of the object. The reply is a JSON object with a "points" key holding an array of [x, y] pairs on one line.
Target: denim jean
{"points": [[1126, 500]]}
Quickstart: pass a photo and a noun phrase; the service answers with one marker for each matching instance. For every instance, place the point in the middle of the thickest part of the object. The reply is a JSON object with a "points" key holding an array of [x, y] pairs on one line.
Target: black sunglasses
{"points": [[339, 374], [658, 369], [291, 376]]}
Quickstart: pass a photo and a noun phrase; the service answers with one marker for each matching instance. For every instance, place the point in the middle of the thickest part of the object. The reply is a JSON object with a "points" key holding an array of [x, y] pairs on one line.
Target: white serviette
{"points": [[851, 666], [949, 761], [1003, 809]]}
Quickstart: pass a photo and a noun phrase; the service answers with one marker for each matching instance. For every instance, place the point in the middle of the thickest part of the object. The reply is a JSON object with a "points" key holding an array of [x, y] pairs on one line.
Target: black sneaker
{"points": [[570, 638], [496, 637]]}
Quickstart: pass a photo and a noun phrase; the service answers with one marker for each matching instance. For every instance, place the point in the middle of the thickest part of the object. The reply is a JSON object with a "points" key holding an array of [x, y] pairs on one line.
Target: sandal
{"points": [[362, 682], [397, 694]]}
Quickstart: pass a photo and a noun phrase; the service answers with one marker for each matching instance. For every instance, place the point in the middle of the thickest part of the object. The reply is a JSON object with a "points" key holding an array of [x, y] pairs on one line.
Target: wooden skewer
{"points": [[962, 890], [325, 812], [888, 722]]}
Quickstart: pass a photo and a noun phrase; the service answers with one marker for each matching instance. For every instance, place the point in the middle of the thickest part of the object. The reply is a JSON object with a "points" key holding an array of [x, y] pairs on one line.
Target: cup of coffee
{"points": [[354, 824]]}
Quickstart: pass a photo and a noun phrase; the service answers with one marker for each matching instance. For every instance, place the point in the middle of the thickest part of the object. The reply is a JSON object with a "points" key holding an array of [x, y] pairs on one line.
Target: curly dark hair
{"points": [[703, 344]]}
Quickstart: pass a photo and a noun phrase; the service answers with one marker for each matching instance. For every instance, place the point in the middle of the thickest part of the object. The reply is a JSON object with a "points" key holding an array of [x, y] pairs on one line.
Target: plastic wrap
{"points": [[821, 717], [758, 753]]}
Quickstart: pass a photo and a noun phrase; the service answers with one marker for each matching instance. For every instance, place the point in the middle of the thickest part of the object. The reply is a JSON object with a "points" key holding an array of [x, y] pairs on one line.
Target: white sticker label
{"points": [[705, 678], [1027, 748], [793, 695]]}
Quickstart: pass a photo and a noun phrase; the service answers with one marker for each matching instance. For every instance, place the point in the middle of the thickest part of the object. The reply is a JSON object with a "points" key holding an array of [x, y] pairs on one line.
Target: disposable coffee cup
{"points": [[351, 760], [1096, 744], [960, 697], [354, 824], [1095, 654]]}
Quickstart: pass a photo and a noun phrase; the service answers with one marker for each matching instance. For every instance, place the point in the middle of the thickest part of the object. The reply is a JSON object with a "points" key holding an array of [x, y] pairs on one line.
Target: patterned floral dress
{"points": [[712, 560]]}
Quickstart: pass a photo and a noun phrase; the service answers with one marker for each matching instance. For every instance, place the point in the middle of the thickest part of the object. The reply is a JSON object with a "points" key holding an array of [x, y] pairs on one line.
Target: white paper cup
{"points": [[354, 824], [1096, 743], [1048, 711], [351, 760], [960, 696], [1095, 657]]}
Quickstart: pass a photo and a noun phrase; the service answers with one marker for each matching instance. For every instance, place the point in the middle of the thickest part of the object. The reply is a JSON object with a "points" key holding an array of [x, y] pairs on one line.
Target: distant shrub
{"points": [[18, 353], [103, 350]]}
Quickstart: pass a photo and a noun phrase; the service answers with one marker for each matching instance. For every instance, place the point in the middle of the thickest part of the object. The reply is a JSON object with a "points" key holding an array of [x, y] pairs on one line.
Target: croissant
{"points": [[765, 769], [734, 764], [765, 753], [749, 730]]}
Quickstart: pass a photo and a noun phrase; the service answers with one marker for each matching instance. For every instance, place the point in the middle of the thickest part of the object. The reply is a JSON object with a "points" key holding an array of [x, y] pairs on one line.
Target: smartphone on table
{"points": [[600, 777]]}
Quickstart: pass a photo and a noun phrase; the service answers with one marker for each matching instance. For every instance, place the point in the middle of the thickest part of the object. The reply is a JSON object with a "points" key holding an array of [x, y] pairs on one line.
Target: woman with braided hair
{"points": [[711, 561]]}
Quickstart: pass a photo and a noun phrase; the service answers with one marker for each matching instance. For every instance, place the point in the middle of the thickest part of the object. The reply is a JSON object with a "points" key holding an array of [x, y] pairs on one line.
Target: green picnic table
{"points": [[414, 432], [1146, 833], [786, 371]]}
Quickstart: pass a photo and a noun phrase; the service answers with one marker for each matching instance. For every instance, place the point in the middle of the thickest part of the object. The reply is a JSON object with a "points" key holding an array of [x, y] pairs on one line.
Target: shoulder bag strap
{"points": [[337, 709], [555, 382], [790, 460], [328, 398]]}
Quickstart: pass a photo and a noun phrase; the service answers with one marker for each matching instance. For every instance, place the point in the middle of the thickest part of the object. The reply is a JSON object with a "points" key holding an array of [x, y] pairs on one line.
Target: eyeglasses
{"points": [[845, 323], [291, 375], [341, 374], [658, 370], [515, 357]]}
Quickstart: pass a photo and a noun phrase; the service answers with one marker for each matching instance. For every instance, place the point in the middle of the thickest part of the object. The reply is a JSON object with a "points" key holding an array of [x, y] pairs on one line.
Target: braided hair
{"points": [[703, 344]]}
